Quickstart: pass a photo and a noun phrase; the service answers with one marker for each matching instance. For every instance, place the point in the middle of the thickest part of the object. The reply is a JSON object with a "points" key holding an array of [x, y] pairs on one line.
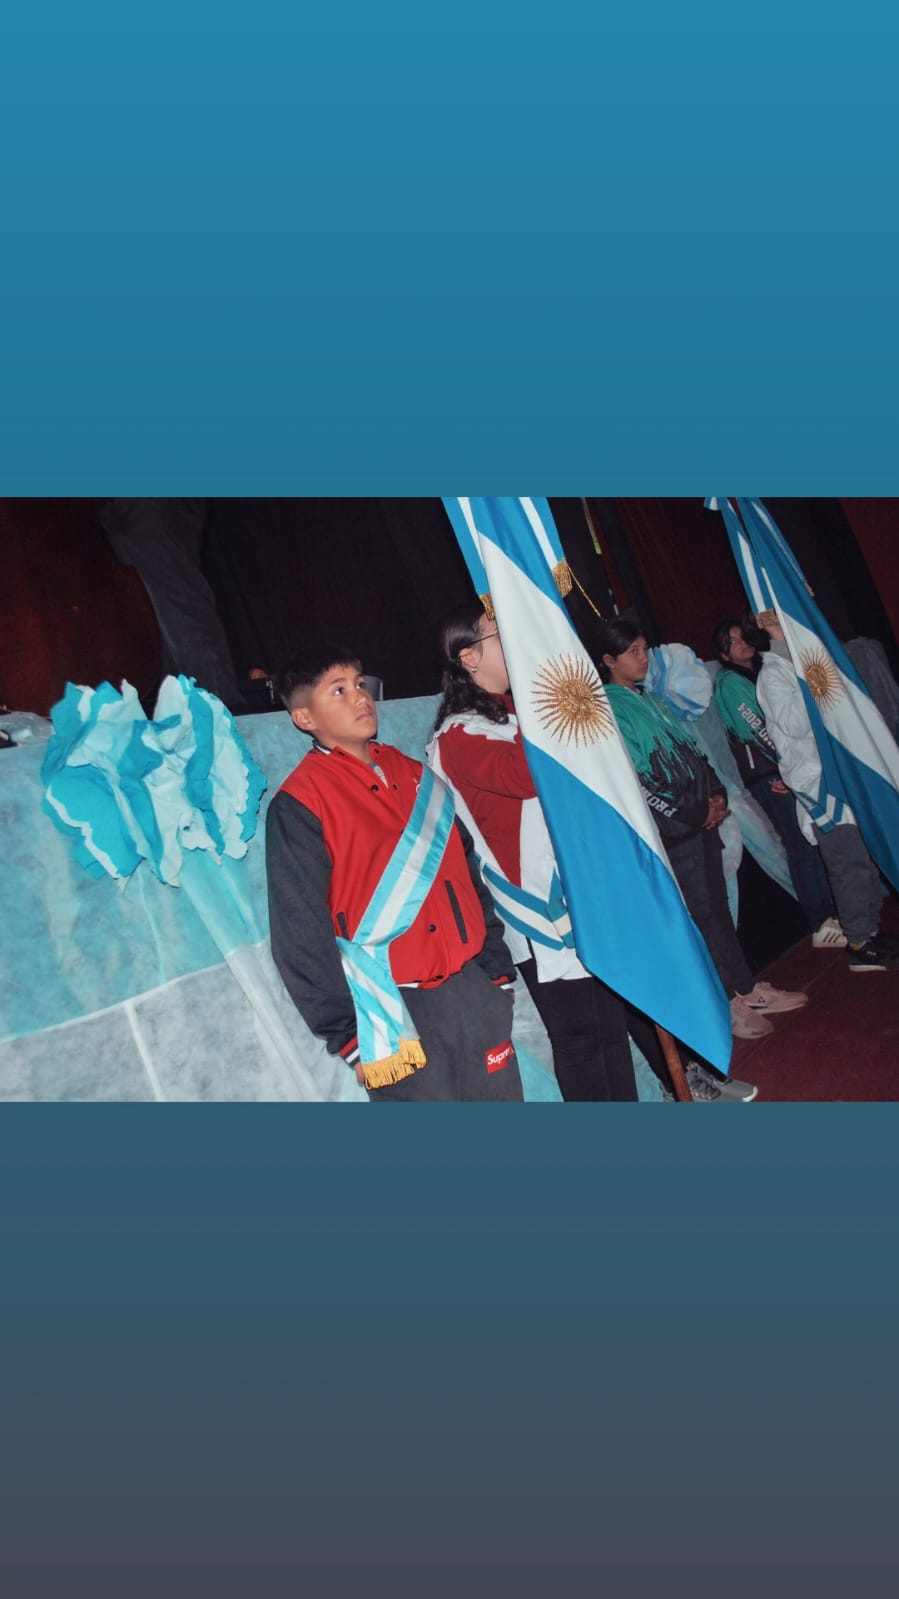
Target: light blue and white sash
{"points": [[826, 810], [382, 1020], [545, 921]]}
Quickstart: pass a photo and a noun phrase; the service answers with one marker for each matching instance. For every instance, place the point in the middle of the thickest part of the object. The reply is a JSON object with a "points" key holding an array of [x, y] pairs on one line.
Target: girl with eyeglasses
{"points": [[477, 749]]}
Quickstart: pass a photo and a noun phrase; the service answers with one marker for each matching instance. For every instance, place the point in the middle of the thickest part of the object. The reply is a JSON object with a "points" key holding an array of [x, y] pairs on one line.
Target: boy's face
{"points": [[339, 712]]}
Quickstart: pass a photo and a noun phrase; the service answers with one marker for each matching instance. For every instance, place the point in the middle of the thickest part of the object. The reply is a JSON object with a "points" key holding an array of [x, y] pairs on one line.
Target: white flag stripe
{"points": [[758, 596], [550, 555], [605, 765], [852, 717]]}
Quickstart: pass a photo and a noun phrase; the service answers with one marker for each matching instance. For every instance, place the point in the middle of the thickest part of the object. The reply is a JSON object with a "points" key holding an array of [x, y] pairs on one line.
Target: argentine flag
{"points": [[859, 756], [631, 927]]}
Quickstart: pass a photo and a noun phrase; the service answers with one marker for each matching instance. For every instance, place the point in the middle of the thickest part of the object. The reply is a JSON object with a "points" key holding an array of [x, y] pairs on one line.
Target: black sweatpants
{"points": [[698, 865], [587, 1027], [465, 1026]]}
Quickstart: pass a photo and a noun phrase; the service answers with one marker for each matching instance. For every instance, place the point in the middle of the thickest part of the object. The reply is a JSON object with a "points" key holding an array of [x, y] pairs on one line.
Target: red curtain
{"points": [[688, 572], [875, 524], [70, 611]]}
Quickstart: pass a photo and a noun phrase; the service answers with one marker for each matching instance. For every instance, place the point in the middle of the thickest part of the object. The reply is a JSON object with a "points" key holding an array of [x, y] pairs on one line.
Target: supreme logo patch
{"points": [[497, 1058]]}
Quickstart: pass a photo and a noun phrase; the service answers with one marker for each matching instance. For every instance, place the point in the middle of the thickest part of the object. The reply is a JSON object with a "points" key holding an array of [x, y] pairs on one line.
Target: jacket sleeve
{"points": [[681, 815], [780, 698], [304, 948], [678, 795], [472, 760], [494, 957]]}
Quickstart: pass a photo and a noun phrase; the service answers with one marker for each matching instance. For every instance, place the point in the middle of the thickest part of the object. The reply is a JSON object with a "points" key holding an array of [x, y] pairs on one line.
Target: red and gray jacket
{"points": [[331, 829]]}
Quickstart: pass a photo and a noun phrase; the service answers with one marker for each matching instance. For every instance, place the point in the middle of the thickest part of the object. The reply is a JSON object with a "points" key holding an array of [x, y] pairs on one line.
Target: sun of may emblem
{"points": [[822, 677], [569, 701]]}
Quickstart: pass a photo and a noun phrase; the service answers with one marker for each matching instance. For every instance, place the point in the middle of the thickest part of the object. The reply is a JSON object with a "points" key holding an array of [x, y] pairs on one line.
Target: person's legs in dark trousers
{"points": [[644, 1034], [465, 1026], [698, 866], [807, 869], [162, 539], [587, 1029]]}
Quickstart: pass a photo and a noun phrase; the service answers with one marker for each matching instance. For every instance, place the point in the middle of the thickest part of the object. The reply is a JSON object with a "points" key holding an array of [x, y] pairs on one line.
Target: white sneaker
{"points": [[772, 1000], [746, 1023], [830, 935]]}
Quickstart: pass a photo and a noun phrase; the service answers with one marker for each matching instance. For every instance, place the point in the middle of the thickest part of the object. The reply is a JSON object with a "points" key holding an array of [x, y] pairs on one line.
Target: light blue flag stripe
{"points": [[630, 923], [512, 532], [467, 543], [860, 776]]}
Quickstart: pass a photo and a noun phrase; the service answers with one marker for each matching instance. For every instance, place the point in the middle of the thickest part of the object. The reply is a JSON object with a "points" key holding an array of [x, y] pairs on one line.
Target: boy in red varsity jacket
{"points": [[381, 927]]}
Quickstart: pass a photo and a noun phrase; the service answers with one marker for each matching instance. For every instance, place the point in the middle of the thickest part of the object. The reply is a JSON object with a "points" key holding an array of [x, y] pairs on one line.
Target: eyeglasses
{"points": [[485, 636]]}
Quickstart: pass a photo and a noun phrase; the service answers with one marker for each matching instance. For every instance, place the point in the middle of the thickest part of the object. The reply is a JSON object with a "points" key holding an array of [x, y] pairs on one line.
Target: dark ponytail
{"points": [[460, 692], [613, 637]]}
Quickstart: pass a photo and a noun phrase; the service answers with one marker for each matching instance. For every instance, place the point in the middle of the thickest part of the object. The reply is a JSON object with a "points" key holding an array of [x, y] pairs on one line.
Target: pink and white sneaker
{"points": [[830, 935], [746, 1023], [768, 1001]]}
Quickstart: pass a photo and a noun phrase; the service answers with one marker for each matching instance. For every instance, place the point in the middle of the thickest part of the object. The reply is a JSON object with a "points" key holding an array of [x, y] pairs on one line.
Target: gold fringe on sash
{"points": [[409, 1058], [487, 603]]}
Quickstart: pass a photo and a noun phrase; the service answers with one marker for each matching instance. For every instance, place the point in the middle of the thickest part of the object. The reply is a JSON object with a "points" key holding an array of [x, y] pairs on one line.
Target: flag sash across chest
{"points": [[631, 926], [859, 756], [381, 1014]]}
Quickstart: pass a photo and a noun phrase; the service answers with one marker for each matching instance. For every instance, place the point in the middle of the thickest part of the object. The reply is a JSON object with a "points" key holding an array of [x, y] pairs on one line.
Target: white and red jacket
{"points": [[485, 766]]}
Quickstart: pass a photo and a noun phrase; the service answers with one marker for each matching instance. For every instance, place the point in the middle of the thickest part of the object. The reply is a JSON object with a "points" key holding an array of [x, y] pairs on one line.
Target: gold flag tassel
{"points": [[409, 1058], [563, 578], [487, 603]]}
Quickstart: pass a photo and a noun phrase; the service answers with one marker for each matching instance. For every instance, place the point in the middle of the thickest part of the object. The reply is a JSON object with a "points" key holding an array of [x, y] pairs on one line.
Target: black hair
{"points": [[309, 666], [721, 639], [751, 633], [615, 635], [458, 632]]}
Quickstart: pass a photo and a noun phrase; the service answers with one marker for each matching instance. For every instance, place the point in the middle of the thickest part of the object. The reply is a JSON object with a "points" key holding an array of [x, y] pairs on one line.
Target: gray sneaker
{"points": [[705, 1087]]}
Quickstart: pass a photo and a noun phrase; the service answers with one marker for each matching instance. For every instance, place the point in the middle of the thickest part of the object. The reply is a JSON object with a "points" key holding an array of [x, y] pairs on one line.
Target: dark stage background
{"points": [[380, 573]]}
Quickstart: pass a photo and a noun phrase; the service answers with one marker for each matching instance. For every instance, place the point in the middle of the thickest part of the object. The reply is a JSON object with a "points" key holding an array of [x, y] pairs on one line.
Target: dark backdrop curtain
{"points": [[875, 524], [376, 575], [682, 579], [379, 574], [686, 571]]}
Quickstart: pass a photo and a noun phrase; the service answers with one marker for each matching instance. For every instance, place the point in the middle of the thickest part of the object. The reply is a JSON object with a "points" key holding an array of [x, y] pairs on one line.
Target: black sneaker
{"points": [[874, 955]]}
